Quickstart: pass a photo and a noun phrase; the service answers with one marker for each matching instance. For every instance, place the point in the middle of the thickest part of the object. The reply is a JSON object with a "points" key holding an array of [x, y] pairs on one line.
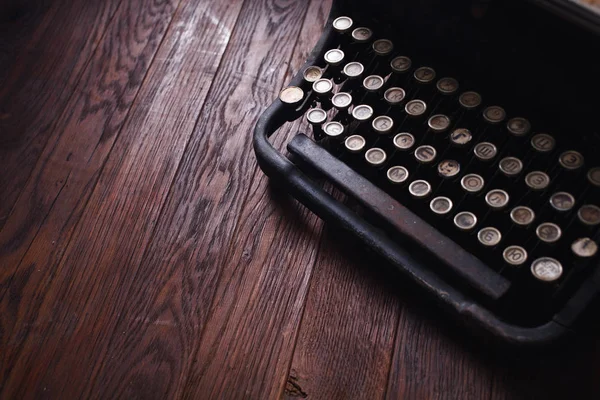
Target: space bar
{"points": [[408, 224]]}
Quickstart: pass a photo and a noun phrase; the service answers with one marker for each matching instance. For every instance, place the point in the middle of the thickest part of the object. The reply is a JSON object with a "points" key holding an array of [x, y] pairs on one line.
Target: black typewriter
{"points": [[467, 133]]}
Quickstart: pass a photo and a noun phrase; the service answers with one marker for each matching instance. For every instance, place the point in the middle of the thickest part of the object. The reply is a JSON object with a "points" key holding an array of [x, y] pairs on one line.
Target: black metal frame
{"points": [[311, 194]]}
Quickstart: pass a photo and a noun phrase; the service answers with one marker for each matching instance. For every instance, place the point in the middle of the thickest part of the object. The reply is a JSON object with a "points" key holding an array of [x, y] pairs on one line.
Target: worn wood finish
{"points": [[47, 48]]}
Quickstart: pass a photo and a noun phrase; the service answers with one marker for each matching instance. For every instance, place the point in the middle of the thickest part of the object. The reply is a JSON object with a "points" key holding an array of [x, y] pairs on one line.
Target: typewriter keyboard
{"points": [[523, 201]]}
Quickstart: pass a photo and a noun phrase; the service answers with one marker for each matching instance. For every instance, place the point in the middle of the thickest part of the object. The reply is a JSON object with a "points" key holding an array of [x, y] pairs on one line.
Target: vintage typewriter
{"points": [[467, 133]]}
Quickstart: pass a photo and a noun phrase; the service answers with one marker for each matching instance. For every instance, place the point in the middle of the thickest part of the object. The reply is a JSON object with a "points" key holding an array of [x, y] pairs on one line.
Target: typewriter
{"points": [[466, 132]]}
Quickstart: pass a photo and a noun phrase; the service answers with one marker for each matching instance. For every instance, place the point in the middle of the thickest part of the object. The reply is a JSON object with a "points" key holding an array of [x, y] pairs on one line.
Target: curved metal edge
{"points": [[286, 174]]}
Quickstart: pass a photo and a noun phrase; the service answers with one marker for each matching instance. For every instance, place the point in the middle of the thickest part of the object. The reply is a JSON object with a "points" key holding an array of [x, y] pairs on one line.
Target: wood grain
{"points": [[39, 80], [80, 304]]}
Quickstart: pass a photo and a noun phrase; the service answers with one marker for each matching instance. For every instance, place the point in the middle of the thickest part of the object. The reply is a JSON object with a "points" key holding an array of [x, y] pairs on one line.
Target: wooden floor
{"points": [[143, 253]]}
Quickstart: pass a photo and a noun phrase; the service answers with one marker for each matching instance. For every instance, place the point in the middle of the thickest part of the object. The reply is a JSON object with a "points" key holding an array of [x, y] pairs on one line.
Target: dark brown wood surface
{"points": [[143, 254]]}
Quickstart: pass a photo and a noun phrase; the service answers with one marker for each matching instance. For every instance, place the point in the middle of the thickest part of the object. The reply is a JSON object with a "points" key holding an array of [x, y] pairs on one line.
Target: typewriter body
{"points": [[466, 132]]}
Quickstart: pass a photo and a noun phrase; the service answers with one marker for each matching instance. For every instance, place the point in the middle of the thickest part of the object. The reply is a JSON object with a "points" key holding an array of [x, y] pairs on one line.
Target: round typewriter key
{"points": [[472, 183], [543, 143], [571, 160], [470, 100], [362, 112], [438, 123], [353, 69], [383, 47], [312, 74], [394, 95], [404, 141], [341, 100], [522, 215], [518, 126], [537, 180], [546, 269], [333, 129], [593, 176], [400, 64], [485, 151], [415, 108], [375, 156], [489, 236], [562, 201], [373, 83], [465, 220], [334, 57], [494, 114], [447, 85], [448, 168], [461, 136], [510, 166], [342, 24], [514, 255], [291, 95], [441, 205], [323, 86], [362, 34], [548, 232], [425, 154], [584, 247], [397, 174], [355, 143], [589, 214], [497, 199], [424, 74], [316, 116], [419, 188], [382, 124]]}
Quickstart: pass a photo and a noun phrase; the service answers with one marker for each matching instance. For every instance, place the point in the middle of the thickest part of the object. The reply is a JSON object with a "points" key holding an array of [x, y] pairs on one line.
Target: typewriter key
{"points": [[494, 114], [470, 100], [489, 236], [522, 215], [472, 183], [562, 201], [438, 123], [424, 75], [515, 255], [323, 86], [312, 74], [375, 156], [333, 129], [546, 269], [382, 124], [518, 126], [394, 95], [415, 108], [510, 166], [373, 83], [497, 199], [548, 232], [447, 86], [316, 116], [460, 137], [400, 64], [362, 112], [465, 220], [485, 151], [383, 47], [543, 143], [589, 214], [355, 143], [584, 247], [354, 69], [537, 180], [397, 174], [341, 100], [419, 188], [404, 141], [571, 160], [593, 176], [362, 35], [441, 205], [448, 168], [342, 24], [425, 154], [334, 57], [291, 95]]}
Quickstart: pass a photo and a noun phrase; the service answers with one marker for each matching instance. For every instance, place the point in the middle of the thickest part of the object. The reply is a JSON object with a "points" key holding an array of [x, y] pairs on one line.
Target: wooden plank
{"points": [[39, 81], [349, 325], [59, 339]]}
